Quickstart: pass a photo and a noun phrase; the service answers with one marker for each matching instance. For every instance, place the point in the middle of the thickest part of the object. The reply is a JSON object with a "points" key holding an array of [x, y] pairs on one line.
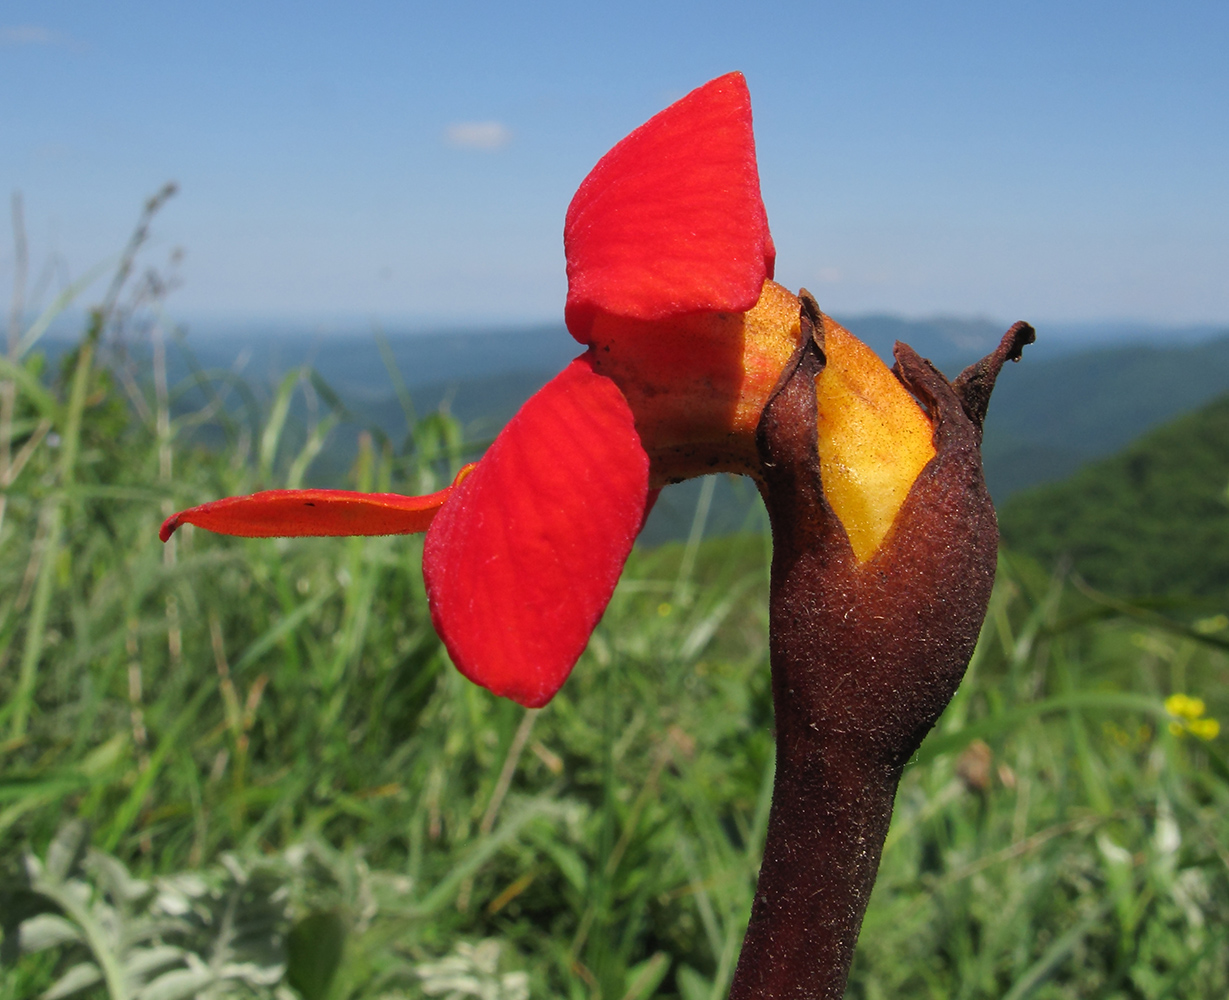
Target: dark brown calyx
{"points": [[865, 657]]}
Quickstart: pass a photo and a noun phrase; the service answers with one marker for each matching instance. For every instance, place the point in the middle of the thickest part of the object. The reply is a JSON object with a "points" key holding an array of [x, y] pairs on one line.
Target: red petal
{"points": [[284, 513], [671, 220], [522, 561]]}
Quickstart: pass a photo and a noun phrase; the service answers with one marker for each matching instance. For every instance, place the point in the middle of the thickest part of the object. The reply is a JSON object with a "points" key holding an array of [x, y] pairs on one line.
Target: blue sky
{"points": [[412, 162]]}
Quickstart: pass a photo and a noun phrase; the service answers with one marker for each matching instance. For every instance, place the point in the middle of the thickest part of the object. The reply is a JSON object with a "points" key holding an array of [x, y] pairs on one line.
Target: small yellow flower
{"points": [[1188, 717], [1183, 706]]}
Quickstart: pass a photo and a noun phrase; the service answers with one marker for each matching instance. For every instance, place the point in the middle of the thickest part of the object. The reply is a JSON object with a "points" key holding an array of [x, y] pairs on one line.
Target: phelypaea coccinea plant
{"points": [[884, 537]]}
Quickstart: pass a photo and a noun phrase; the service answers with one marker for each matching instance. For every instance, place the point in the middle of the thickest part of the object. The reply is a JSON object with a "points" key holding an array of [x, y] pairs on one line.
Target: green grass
{"points": [[284, 786]]}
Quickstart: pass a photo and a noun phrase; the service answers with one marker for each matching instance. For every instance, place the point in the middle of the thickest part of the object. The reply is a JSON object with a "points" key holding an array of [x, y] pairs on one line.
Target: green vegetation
{"points": [[244, 768], [1152, 521], [1051, 415]]}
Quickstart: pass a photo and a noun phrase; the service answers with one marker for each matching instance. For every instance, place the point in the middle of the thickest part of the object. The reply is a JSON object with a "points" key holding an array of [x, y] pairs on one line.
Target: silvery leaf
{"points": [[47, 931], [177, 985], [74, 980], [65, 851], [142, 961], [115, 878]]}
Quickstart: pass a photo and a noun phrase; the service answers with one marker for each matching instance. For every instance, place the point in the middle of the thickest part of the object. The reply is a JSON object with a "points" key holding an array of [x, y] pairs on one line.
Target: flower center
{"points": [[697, 384]]}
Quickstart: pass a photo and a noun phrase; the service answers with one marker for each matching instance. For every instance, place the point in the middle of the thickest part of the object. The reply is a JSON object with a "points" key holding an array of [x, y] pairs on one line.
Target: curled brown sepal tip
{"points": [[812, 321], [975, 384]]}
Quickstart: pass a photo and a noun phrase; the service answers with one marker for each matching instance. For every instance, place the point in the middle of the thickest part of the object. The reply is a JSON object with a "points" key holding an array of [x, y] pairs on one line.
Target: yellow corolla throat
{"points": [[874, 439]]}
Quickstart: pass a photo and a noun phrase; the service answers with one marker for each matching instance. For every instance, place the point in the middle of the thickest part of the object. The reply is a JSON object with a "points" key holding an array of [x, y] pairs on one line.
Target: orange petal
{"points": [[671, 220], [287, 513], [522, 561]]}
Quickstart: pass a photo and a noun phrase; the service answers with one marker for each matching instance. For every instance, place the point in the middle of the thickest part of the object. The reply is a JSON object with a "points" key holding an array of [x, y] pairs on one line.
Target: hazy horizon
{"points": [[355, 324]]}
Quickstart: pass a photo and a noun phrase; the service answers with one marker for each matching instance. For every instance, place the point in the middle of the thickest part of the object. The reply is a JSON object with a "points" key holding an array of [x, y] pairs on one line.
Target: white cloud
{"points": [[28, 34], [478, 135]]}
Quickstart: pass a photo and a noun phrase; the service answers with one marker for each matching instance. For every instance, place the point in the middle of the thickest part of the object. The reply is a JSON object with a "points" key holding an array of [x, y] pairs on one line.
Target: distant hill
{"points": [[950, 342], [353, 363], [1151, 520], [1051, 414]]}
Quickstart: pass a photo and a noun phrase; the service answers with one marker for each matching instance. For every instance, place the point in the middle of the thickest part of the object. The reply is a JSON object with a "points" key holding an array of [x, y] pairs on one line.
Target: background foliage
{"points": [[1152, 521], [244, 768]]}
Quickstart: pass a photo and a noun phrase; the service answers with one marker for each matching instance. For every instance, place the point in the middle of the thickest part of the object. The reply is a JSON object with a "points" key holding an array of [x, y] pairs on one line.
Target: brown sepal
{"points": [[974, 385]]}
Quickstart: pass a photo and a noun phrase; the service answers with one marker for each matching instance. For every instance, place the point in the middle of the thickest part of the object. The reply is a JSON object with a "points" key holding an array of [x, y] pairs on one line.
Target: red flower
{"points": [[669, 259]]}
